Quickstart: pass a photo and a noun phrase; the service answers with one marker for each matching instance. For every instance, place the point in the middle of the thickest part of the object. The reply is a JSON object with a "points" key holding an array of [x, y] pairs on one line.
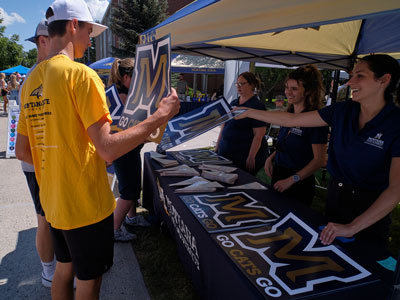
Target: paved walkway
{"points": [[20, 267]]}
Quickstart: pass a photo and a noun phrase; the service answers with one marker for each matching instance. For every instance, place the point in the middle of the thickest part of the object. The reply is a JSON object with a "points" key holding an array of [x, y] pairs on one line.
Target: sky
{"points": [[22, 16]]}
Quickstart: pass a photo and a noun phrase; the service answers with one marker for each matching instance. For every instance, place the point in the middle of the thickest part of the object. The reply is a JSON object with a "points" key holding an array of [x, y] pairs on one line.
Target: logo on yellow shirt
{"points": [[38, 92]]}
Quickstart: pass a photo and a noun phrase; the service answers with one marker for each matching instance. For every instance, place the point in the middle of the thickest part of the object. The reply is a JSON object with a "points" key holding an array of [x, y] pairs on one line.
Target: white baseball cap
{"points": [[75, 9], [41, 29]]}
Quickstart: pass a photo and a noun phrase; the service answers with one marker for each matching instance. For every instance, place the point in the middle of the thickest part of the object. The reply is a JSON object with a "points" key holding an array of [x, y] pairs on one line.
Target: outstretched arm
{"points": [[111, 146], [307, 119], [385, 203]]}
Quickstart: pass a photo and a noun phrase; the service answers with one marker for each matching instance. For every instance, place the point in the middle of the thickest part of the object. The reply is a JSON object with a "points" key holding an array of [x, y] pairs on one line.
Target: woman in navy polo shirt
{"points": [[364, 151], [242, 141], [300, 151]]}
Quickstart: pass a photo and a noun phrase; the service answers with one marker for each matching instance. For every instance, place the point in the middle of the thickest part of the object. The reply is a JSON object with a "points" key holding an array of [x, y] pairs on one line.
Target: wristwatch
{"points": [[296, 178]]}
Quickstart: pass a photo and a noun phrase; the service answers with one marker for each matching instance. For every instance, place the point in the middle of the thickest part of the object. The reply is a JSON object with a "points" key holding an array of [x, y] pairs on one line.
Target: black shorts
{"points": [[34, 189], [128, 169], [3, 92], [89, 248]]}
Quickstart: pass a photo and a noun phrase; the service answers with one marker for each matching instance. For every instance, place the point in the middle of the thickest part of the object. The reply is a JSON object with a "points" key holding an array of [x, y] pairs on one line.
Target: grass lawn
{"points": [[159, 262]]}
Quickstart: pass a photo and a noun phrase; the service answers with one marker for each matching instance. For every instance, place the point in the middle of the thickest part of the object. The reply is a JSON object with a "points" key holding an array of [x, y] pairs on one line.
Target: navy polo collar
{"points": [[382, 115]]}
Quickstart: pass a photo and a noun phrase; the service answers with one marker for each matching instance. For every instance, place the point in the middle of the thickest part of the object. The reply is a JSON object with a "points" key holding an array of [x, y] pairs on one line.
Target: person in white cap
{"points": [[44, 244], [66, 133]]}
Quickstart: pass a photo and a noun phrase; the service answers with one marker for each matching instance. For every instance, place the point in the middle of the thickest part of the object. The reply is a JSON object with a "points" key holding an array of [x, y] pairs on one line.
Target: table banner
{"points": [[151, 81], [288, 260], [228, 211], [13, 117], [197, 157], [194, 123]]}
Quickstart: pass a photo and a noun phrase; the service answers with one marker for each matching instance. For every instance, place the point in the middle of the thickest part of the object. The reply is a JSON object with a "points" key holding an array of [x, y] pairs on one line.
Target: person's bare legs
{"points": [[63, 280], [44, 244], [132, 211], [88, 289], [5, 99], [122, 208]]}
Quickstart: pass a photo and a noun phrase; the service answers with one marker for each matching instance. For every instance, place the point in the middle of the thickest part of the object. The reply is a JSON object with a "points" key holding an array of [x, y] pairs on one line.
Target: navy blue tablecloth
{"points": [[215, 275]]}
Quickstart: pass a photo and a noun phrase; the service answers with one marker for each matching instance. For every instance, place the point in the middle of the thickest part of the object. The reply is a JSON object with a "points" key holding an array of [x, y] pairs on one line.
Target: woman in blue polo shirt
{"points": [[242, 141], [300, 151], [364, 151]]}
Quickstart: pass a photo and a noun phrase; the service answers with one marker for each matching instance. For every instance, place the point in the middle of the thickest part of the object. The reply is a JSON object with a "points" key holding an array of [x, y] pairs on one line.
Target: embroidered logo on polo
{"points": [[229, 211], [376, 141], [288, 259], [296, 131]]}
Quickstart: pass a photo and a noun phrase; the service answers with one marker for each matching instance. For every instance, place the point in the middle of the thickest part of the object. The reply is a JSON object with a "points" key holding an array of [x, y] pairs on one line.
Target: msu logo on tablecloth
{"points": [[288, 259], [229, 211]]}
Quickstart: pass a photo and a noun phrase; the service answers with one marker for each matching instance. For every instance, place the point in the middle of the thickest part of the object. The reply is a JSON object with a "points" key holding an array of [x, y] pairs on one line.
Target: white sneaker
{"points": [[122, 235], [139, 220], [46, 281]]}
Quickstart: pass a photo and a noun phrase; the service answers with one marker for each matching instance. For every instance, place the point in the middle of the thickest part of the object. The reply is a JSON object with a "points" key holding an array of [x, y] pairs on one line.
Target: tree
{"points": [[270, 78], [29, 58], [10, 51], [133, 17]]}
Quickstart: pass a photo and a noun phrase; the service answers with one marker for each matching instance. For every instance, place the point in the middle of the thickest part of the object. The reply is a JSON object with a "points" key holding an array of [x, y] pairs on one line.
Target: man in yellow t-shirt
{"points": [[67, 128]]}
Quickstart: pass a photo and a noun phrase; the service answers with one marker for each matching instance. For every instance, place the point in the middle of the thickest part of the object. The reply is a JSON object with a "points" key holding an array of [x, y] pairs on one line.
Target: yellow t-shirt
{"points": [[31, 115], [74, 189]]}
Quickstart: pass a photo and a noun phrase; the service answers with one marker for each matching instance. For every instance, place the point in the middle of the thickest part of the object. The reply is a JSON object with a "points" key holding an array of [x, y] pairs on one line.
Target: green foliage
{"points": [[174, 79], [133, 17], [29, 58], [270, 78], [11, 52]]}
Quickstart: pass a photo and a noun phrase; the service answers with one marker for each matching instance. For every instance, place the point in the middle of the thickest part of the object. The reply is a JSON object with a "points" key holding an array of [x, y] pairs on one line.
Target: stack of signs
{"points": [[230, 211], [287, 261], [197, 157], [195, 123], [13, 116], [150, 83], [115, 106]]}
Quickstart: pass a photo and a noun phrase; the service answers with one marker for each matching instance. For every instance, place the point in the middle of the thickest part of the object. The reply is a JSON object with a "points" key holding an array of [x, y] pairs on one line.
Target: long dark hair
{"points": [[381, 64], [314, 90]]}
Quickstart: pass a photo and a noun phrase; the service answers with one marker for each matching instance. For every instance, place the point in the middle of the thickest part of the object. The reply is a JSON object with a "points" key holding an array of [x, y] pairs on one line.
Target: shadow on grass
{"points": [[159, 262]]}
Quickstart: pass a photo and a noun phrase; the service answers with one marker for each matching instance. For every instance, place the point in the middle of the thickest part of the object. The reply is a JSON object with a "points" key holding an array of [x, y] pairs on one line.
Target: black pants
{"points": [[345, 202], [302, 191]]}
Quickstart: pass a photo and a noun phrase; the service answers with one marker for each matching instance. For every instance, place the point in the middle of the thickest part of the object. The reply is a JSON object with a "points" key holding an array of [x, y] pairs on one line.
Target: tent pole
{"points": [[335, 85]]}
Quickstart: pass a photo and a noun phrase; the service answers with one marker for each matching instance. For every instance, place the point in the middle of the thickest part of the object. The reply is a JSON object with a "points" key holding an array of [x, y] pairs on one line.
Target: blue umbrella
{"points": [[20, 69], [103, 64]]}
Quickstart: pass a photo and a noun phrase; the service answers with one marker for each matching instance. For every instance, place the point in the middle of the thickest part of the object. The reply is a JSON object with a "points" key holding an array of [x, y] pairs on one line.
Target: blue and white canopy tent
{"points": [[328, 33], [20, 69]]}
